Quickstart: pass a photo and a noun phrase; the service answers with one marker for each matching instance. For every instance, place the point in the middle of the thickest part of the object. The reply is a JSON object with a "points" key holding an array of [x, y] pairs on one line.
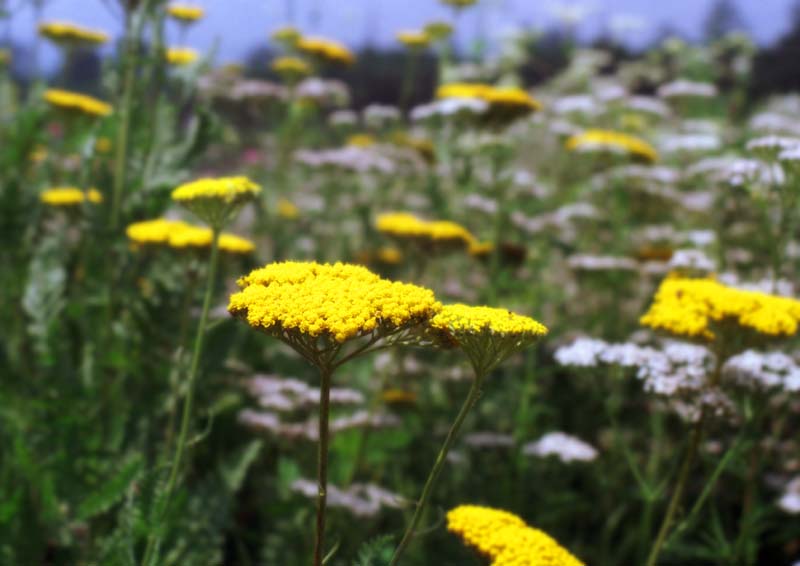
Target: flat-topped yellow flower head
{"points": [[437, 30], [361, 140], [609, 141], [185, 13], [69, 197], [704, 309], [291, 69], [505, 104], [459, 4], [313, 306], [326, 50], [180, 56], [183, 236], [487, 335], [216, 200], [443, 234], [414, 39], [76, 103], [505, 539], [288, 35], [67, 33]]}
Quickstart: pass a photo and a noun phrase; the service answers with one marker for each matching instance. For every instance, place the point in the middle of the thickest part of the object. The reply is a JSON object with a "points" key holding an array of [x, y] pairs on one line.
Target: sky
{"points": [[236, 26]]}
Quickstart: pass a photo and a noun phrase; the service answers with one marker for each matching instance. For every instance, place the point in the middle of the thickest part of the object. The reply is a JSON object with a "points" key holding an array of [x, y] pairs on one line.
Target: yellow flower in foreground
{"points": [[181, 56], [182, 235], [185, 13], [291, 67], [215, 200], [403, 225], [414, 39], [307, 300], [612, 142], [71, 101], [67, 32], [325, 49], [698, 307], [487, 335], [506, 539], [69, 196]]}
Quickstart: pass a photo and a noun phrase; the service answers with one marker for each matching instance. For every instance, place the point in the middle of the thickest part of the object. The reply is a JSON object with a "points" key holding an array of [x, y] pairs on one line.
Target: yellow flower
{"points": [[303, 301], [423, 146], [414, 39], [182, 235], [487, 335], [291, 67], [5, 56], [438, 31], [102, 145], [506, 539], [698, 307], [286, 34], [389, 255], [404, 225], [458, 4], [326, 50], [215, 200], [181, 56], [65, 100], [398, 396], [505, 103], [185, 13], [69, 196], [67, 32], [38, 154], [287, 209], [361, 140], [481, 249], [612, 142]]}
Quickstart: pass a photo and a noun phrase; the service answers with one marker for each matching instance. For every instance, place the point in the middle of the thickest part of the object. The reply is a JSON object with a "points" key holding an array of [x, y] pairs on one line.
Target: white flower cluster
{"points": [[789, 502], [272, 423], [362, 500], [286, 394], [585, 262], [349, 158], [692, 261], [685, 89], [563, 446], [380, 115], [449, 108], [763, 370]]}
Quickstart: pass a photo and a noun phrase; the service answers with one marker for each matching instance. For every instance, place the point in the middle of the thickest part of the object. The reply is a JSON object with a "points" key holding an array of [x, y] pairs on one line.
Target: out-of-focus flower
{"points": [[601, 263], [291, 69], [789, 502], [687, 89], [102, 145], [608, 141], [69, 33], [405, 226], [438, 30], [326, 50], [381, 115], [182, 235], [361, 140], [181, 56], [185, 13], [287, 209], [323, 92], [414, 39], [286, 394], [288, 35], [69, 197], [74, 102], [215, 200], [563, 446], [505, 104], [763, 370], [362, 500]]}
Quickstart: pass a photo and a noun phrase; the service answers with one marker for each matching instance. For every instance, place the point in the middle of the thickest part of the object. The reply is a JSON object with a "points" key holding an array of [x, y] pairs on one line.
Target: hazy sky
{"points": [[238, 25]]}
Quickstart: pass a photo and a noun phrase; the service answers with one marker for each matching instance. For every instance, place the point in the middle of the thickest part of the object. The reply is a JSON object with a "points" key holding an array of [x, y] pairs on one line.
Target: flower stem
{"points": [[188, 403], [683, 475], [474, 394], [322, 462]]}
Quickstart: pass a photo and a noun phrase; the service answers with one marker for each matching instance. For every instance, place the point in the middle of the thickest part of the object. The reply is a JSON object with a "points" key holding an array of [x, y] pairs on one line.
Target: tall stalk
{"points": [[188, 404], [433, 476], [322, 462]]}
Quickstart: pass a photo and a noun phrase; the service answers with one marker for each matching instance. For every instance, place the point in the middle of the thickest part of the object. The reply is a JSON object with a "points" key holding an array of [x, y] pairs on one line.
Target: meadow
{"points": [[247, 321]]}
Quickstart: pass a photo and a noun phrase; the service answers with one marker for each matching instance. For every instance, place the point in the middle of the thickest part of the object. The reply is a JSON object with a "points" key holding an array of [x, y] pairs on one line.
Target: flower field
{"points": [[524, 310]]}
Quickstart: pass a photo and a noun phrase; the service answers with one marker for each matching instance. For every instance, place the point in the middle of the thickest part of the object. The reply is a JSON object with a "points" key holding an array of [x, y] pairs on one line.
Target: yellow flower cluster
{"points": [[291, 66], [72, 101], [613, 142], [437, 31], [325, 49], [464, 319], [181, 235], [498, 98], [69, 196], [225, 189], [690, 307], [286, 34], [185, 12], [506, 539], [287, 209], [340, 301], [459, 3], [414, 39], [67, 32], [406, 225], [181, 56], [361, 140]]}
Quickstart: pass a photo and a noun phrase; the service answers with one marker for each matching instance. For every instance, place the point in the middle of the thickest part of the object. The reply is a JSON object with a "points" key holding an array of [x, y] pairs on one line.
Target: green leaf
{"points": [[112, 491], [234, 473]]}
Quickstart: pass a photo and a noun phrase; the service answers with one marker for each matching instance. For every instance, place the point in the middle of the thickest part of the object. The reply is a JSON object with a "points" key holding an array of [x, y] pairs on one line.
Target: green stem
{"points": [[322, 463], [683, 476], [472, 398], [408, 81], [188, 404]]}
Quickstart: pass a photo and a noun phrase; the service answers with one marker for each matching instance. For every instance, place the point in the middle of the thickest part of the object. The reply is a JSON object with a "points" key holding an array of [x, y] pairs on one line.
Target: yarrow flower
{"points": [[301, 302], [182, 235], [326, 50], [563, 446], [506, 539], [406, 226], [181, 56], [69, 197], [414, 39], [698, 308], [486, 335], [185, 13], [291, 69], [438, 30], [216, 200], [505, 104], [288, 35], [69, 33], [609, 141], [74, 102]]}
